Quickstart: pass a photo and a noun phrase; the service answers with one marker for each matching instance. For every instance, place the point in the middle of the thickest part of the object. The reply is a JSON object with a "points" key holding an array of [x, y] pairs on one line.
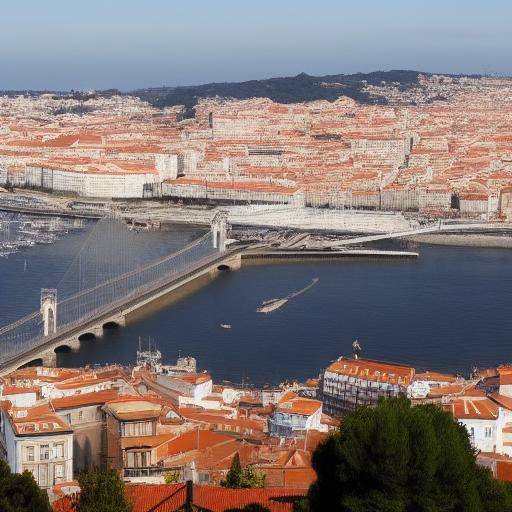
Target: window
{"points": [[59, 450], [80, 415], [67, 419], [488, 431], [59, 472], [44, 452], [142, 428], [29, 454], [43, 475], [138, 459]]}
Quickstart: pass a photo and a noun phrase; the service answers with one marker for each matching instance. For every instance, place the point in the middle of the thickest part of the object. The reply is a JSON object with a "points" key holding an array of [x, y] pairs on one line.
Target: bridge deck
{"points": [[120, 307]]}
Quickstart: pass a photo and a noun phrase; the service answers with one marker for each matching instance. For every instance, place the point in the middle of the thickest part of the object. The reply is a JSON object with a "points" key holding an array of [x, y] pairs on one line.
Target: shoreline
{"points": [[465, 240]]}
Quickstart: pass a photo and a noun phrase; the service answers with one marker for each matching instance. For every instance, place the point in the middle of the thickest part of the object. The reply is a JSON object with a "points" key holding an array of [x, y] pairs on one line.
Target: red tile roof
{"points": [[473, 408], [293, 404], [85, 399], [171, 498], [368, 369]]}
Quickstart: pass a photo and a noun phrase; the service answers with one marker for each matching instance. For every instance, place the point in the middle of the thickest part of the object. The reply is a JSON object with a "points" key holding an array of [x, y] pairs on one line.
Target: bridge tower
{"points": [[219, 226], [49, 310]]}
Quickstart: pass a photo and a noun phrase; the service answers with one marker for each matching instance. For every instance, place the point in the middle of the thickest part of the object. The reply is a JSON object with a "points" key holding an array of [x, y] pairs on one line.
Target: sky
{"points": [[127, 44]]}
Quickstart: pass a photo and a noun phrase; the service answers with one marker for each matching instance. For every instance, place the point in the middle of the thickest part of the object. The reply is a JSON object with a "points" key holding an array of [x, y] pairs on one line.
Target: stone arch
{"points": [[87, 336], [224, 268], [34, 362], [62, 349], [110, 325]]}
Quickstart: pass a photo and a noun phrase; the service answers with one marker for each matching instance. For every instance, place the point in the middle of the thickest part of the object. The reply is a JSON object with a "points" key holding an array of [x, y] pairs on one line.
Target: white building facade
{"points": [[43, 448]]}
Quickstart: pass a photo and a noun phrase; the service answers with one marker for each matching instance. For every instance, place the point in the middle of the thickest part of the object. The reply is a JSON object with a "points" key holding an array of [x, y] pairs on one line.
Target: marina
{"points": [[19, 231]]}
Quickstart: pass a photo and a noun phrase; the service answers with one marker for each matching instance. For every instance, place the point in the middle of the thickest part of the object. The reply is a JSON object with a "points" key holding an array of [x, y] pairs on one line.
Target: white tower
{"points": [[49, 310], [219, 228]]}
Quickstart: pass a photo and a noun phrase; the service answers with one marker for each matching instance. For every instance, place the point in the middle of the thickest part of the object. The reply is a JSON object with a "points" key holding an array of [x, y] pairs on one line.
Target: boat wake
{"points": [[268, 306]]}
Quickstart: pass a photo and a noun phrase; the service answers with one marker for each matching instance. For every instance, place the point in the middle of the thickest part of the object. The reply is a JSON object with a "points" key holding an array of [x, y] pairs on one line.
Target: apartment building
{"points": [[84, 413], [294, 415], [349, 383], [136, 428], [37, 440]]}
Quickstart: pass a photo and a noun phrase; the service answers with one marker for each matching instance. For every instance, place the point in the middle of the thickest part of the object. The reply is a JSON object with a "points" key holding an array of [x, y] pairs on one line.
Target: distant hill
{"points": [[292, 89]]}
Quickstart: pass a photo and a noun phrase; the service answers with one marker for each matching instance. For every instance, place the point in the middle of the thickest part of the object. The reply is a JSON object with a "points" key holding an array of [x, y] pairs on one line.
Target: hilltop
{"points": [[294, 89]]}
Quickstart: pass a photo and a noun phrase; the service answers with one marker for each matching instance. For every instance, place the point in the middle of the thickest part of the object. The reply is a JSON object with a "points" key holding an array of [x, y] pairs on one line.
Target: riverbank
{"points": [[502, 241]]}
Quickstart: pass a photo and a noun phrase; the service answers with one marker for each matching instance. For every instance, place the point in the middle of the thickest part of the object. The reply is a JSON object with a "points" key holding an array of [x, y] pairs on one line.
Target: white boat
{"points": [[226, 326]]}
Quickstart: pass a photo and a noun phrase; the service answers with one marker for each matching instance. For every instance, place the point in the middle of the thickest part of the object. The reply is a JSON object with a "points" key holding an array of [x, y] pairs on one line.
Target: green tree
{"points": [[20, 493], [172, 477], [252, 478], [238, 478], [398, 458], [234, 476], [102, 491]]}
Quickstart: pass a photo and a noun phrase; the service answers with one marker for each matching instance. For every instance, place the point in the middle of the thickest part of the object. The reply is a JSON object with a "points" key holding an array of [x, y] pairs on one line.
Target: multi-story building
{"points": [[136, 428], [188, 387], [83, 412], [38, 441], [295, 415], [349, 383]]}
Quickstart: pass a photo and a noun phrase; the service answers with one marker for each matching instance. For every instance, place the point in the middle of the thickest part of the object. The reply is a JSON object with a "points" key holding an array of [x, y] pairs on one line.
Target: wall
{"points": [[88, 436], [479, 440]]}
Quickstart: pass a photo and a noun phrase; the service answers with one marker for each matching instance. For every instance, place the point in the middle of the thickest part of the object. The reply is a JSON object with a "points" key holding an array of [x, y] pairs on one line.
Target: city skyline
{"points": [[124, 46]]}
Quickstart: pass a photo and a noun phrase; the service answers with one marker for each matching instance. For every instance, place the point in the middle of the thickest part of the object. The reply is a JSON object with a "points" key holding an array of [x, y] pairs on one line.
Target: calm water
{"points": [[448, 310]]}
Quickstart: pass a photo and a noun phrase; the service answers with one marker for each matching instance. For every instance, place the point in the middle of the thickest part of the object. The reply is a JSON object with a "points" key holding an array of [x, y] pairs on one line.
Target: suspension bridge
{"points": [[104, 284], [107, 281]]}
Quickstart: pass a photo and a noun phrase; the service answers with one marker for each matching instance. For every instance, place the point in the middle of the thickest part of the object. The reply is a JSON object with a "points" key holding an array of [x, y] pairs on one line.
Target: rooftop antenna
{"points": [[356, 349]]}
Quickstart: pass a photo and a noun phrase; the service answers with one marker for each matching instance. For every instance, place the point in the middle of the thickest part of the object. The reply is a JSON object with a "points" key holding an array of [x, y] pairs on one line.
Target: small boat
{"points": [[226, 326], [270, 305]]}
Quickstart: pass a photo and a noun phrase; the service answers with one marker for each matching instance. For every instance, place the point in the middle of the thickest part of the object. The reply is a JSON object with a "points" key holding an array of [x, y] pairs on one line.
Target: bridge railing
{"points": [[28, 332], [21, 335], [88, 302]]}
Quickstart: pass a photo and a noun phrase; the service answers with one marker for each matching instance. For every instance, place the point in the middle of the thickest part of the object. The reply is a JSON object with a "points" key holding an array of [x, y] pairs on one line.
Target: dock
{"points": [[353, 253]]}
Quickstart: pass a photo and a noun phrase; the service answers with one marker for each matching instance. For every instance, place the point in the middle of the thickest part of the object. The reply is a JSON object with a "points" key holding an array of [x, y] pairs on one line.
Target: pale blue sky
{"points": [[63, 44]]}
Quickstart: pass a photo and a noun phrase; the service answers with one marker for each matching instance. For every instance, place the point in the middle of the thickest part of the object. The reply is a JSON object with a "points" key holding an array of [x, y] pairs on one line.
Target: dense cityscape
{"points": [[158, 423], [255, 256], [446, 146]]}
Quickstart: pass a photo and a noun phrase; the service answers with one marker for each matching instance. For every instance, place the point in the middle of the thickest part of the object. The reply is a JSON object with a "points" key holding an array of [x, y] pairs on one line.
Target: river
{"points": [[448, 310]]}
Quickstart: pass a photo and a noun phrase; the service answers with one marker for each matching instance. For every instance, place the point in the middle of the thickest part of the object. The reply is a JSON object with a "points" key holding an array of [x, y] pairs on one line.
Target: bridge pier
{"points": [[49, 358], [95, 331], [232, 263], [71, 343], [116, 321]]}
